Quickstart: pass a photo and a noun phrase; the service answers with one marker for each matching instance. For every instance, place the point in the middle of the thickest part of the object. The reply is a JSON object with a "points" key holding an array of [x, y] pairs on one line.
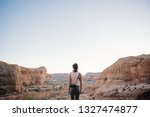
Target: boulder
{"points": [[14, 77]]}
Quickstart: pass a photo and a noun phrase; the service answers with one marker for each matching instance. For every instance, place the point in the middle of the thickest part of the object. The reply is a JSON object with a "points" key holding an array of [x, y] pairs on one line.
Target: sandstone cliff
{"points": [[127, 78], [135, 69], [15, 78]]}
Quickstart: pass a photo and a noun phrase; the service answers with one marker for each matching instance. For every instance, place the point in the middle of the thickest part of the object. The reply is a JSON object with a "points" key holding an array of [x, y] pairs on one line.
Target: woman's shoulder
{"points": [[75, 73]]}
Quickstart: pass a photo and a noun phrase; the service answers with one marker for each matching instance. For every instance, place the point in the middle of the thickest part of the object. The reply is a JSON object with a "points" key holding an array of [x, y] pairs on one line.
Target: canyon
{"points": [[126, 79]]}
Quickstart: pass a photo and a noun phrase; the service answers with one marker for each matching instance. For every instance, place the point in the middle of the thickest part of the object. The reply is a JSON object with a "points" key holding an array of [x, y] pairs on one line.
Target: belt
{"points": [[73, 85]]}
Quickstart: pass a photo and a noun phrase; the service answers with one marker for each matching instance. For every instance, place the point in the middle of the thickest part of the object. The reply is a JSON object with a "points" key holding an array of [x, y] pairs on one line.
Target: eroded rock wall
{"points": [[14, 77], [127, 78]]}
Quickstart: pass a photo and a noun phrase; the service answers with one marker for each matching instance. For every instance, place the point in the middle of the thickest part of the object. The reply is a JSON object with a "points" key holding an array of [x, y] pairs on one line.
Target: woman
{"points": [[75, 83]]}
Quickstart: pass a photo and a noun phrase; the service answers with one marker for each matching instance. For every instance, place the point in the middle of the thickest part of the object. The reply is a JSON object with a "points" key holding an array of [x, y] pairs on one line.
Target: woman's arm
{"points": [[80, 83], [69, 83]]}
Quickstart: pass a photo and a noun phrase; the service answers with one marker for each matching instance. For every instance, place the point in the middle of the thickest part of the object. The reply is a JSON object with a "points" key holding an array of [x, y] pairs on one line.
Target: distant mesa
{"points": [[91, 75], [60, 76]]}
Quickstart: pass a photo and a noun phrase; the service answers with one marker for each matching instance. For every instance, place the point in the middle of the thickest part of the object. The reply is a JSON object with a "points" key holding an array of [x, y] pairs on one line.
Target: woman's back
{"points": [[75, 77]]}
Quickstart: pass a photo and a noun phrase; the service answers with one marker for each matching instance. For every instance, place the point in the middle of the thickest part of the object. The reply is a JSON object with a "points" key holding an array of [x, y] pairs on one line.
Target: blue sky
{"points": [[57, 33]]}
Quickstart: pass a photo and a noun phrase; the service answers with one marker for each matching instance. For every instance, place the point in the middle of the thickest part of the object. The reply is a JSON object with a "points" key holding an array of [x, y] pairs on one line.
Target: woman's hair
{"points": [[75, 67]]}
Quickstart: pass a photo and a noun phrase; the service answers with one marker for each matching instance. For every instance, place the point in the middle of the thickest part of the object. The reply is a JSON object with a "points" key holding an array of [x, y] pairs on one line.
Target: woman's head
{"points": [[75, 67]]}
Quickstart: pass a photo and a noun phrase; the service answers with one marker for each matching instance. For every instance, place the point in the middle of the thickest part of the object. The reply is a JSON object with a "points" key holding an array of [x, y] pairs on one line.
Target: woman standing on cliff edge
{"points": [[75, 83]]}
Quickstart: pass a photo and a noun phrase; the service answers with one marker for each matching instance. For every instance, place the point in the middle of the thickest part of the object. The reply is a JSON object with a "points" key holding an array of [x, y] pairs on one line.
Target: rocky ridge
{"points": [[127, 78]]}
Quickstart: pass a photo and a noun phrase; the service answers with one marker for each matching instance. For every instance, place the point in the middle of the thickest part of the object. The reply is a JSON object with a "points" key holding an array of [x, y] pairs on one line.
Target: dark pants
{"points": [[74, 92]]}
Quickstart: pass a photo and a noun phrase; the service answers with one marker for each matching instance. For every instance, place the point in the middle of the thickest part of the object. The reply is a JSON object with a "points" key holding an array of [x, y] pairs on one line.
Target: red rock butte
{"points": [[13, 77]]}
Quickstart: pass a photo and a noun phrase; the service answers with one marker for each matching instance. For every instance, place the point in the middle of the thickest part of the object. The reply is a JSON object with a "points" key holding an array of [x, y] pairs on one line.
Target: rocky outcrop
{"points": [[15, 78], [127, 78], [135, 69]]}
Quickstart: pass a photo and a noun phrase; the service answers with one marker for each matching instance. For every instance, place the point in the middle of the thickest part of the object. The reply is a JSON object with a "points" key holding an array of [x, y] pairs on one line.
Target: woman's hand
{"points": [[81, 92]]}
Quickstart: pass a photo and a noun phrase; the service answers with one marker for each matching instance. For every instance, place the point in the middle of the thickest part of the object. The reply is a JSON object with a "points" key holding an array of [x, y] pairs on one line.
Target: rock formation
{"points": [[135, 69], [127, 78], [14, 77]]}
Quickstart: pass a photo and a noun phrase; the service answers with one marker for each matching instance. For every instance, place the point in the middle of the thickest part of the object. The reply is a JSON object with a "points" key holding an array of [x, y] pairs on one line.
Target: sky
{"points": [[58, 33]]}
